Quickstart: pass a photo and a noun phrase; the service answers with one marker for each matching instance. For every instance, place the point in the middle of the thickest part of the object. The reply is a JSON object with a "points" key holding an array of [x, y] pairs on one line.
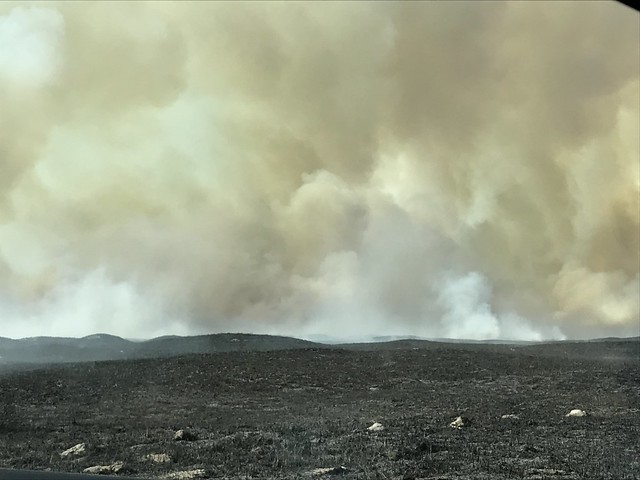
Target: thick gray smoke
{"points": [[458, 169]]}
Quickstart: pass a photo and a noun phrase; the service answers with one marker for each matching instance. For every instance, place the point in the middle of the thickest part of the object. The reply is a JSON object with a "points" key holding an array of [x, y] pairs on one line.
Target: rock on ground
{"points": [[576, 412], [318, 472], [459, 423], [376, 427], [105, 469], [184, 436], [158, 457], [78, 449], [187, 474]]}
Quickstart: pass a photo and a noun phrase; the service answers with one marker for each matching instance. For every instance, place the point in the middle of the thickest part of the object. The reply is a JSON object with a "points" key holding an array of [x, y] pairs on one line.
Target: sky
{"points": [[347, 169]]}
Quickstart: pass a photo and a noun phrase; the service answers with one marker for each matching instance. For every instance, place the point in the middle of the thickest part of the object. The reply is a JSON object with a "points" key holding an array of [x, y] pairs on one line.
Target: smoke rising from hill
{"points": [[441, 169]]}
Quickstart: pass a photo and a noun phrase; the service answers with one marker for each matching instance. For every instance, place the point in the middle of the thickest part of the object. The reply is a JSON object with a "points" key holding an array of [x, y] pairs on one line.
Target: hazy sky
{"points": [[445, 169]]}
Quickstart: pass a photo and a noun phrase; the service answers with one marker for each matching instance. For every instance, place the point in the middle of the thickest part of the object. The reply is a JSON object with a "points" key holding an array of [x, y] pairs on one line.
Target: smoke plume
{"points": [[447, 169]]}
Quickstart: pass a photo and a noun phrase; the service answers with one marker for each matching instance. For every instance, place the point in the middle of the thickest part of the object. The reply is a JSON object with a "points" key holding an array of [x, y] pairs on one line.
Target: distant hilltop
{"points": [[111, 347], [101, 346]]}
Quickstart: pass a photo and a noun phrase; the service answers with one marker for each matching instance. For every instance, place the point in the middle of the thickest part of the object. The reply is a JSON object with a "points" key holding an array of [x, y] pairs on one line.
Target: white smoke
{"points": [[91, 304], [30, 39], [468, 313], [428, 168]]}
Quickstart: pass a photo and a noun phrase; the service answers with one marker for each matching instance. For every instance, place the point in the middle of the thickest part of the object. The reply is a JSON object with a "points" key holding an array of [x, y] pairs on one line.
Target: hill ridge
{"points": [[102, 347]]}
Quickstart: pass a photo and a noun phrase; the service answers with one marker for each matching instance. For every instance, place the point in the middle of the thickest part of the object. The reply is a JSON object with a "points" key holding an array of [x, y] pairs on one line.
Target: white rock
{"points": [[158, 457], [318, 472], [187, 474], [576, 412], [105, 469], [78, 449], [376, 427], [458, 423], [184, 436]]}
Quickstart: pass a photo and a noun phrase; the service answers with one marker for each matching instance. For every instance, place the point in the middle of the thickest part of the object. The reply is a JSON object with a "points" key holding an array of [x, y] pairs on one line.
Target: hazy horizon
{"points": [[438, 169], [328, 339]]}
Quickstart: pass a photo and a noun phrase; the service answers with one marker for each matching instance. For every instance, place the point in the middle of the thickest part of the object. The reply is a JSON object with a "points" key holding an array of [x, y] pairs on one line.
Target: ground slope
{"points": [[283, 414]]}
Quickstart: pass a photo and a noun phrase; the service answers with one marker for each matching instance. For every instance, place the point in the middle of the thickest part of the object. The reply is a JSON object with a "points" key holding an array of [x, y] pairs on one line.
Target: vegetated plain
{"points": [[288, 413]]}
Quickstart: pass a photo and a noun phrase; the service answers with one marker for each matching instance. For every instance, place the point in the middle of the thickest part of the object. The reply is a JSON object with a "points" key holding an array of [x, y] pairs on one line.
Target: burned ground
{"points": [[283, 414]]}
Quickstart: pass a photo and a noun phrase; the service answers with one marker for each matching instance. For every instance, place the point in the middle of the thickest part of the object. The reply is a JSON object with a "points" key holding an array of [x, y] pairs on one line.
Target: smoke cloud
{"points": [[463, 169]]}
